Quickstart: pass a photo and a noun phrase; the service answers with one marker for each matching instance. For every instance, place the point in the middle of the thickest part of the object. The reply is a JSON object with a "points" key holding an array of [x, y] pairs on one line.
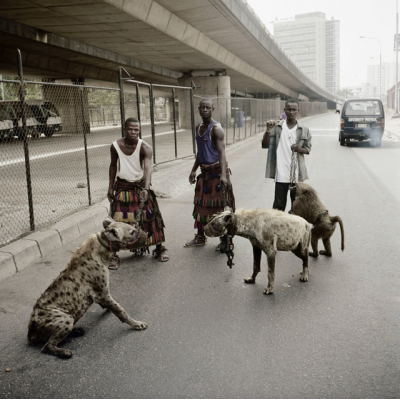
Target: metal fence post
{"points": [[153, 128], [26, 148], [85, 145], [192, 117], [138, 109], [244, 114], [121, 100], [218, 101], [234, 119], [173, 110], [227, 125]]}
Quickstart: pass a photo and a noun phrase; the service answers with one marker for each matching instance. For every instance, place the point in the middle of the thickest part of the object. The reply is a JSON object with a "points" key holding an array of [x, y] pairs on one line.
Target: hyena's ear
{"points": [[107, 221], [228, 218]]}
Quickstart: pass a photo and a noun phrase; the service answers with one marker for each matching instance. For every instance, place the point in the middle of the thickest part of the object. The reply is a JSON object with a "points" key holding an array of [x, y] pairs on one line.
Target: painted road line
{"points": [[52, 154]]}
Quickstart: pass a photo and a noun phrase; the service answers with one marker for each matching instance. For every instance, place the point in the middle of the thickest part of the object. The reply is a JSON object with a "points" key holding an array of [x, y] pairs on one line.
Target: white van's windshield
{"points": [[363, 107]]}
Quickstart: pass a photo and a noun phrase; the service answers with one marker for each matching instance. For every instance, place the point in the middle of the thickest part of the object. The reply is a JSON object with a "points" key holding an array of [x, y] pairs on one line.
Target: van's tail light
{"points": [[342, 123], [383, 123]]}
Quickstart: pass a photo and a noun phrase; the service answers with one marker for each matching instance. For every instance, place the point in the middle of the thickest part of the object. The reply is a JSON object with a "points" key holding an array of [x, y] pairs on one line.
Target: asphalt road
{"points": [[212, 336]]}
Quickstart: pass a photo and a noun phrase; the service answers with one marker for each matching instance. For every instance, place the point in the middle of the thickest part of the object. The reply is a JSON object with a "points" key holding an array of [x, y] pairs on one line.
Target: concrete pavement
{"points": [[168, 180]]}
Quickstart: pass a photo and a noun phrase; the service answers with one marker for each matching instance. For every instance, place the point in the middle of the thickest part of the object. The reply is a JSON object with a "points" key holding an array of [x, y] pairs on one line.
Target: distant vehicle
{"points": [[41, 117], [12, 110], [362, 119], [6, 122], [47, 115]]}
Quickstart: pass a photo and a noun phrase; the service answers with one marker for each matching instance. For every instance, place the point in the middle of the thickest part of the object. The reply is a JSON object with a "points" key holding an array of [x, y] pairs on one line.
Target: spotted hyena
{"points": [[83, 282], [269, 231]]}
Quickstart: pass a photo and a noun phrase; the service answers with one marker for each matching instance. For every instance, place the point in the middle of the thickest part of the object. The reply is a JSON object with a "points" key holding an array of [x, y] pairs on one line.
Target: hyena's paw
{"points": [[57, 351], [311, 254], [324, 253], [269, 290], [137, 325], [249, 280], [304, 276]]}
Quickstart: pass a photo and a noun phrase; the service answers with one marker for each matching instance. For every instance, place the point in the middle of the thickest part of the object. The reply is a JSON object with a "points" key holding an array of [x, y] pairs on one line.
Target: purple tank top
{"points": [[206, 152]]}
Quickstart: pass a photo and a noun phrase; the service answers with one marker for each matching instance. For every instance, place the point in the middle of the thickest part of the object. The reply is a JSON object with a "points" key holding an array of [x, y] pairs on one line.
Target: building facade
{"points": [[382, 78], [313, 43]]}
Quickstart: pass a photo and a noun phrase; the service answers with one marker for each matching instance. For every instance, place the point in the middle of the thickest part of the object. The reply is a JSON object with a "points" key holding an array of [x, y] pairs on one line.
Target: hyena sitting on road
{"points": [[83, 282]]}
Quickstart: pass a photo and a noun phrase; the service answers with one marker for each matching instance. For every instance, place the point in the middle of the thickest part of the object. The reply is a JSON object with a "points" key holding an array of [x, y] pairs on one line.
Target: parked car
{"points": [[48, 116], [13, 112], [362, 119], [41, 117], [6, 122]]}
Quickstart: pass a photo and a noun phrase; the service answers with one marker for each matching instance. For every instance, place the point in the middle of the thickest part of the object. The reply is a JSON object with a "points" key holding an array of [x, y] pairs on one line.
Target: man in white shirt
{"points": [[287, 136], [129, 179]]}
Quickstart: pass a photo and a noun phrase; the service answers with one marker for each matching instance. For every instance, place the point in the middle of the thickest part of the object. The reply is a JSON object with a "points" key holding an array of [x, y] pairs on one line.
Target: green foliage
{"points": [[10, 90], [103, 98]]}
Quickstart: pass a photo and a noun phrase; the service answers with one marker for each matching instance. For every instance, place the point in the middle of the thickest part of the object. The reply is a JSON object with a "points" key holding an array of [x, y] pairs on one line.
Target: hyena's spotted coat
{"points": [[83, 282]]}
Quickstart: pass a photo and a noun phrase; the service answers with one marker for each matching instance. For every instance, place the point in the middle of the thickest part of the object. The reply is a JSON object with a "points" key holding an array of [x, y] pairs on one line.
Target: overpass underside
{"points": [[163, 41]]}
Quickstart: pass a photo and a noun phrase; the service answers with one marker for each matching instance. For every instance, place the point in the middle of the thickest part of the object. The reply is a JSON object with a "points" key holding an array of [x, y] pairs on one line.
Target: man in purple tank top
{"points": [[208, 197]]}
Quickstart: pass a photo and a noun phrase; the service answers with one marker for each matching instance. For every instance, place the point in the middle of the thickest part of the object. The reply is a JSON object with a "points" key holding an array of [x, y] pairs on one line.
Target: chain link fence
{"points": [[55, 141], [244, 117], [55, 148]]}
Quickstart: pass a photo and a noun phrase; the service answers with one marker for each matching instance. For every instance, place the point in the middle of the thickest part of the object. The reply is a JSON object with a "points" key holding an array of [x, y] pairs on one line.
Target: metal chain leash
{"points": [[293, 168], [226, 244]]}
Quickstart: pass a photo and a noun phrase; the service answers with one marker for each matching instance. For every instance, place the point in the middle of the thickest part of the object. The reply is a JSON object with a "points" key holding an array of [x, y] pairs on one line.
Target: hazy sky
{"points": [[370, 18]]}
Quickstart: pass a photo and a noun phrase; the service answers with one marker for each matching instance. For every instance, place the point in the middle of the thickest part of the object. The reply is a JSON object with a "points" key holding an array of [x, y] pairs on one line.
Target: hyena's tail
{"points": [[339, 220]]}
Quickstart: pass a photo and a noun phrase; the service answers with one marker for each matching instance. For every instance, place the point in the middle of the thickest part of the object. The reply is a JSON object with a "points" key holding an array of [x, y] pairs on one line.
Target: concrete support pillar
{"points": [[218, 88]]}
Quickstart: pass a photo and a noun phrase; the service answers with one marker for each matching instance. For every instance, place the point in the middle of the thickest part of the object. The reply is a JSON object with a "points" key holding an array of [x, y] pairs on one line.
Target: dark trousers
{"points": [[280, 200]]}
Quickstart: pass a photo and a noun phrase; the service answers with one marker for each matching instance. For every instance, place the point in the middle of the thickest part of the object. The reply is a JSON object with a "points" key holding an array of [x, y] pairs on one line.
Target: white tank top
{"points": [[284, 154], [129, 167]]}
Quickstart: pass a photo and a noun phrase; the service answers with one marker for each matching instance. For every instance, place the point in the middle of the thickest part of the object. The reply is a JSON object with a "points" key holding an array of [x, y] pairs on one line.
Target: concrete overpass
{"points": [[163, 41]]}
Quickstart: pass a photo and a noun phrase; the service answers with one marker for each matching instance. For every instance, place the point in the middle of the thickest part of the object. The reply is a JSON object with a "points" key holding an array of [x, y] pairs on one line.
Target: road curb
{"points": [[22, 253], [7, 265]]}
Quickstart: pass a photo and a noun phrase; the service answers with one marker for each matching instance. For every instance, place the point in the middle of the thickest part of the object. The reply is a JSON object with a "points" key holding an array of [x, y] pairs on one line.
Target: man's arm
{"points": [[265, 140], [306, 148], [192, 176], [217, 138], [112, 173], [146, 153]]}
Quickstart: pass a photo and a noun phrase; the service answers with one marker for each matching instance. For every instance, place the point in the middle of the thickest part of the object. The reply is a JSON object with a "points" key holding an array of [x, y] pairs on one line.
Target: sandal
{"points": [[161, 254], [197, 241], [113, 264]]}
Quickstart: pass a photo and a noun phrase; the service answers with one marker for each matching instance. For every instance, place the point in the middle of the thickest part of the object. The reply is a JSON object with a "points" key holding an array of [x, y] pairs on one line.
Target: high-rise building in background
{"points": [[313, 44], [381, 83]]}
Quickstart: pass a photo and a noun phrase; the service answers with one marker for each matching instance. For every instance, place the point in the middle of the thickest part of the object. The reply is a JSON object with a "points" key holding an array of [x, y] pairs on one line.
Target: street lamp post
{"points": [[380, 63]]}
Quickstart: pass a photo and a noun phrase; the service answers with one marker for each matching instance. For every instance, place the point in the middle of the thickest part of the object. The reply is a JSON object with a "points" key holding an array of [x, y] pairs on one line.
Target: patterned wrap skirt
{"points": [[208, 198], [125, 205]]}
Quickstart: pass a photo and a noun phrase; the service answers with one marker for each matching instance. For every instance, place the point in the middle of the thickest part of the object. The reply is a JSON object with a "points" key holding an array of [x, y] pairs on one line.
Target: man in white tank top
{"points": [[129, 179]]}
